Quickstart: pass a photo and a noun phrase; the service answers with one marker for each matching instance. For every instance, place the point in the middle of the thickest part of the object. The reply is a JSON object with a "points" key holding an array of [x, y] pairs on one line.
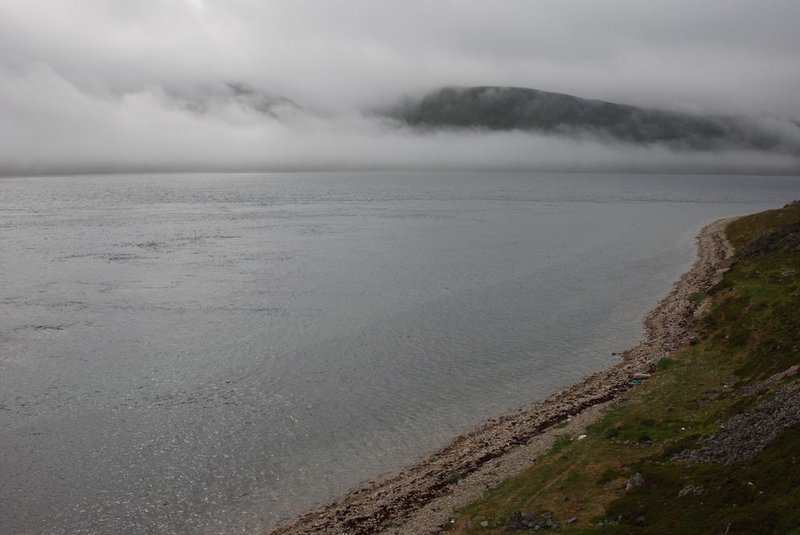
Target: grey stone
{"points": [[635, 481]]}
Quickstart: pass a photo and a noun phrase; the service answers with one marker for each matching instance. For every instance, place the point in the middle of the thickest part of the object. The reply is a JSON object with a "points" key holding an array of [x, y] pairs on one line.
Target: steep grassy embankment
{"points": [[711, 442]]}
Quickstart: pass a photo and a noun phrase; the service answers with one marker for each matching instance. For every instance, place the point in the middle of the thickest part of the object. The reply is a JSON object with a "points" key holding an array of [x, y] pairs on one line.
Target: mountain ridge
{"points": [[500, 108]]}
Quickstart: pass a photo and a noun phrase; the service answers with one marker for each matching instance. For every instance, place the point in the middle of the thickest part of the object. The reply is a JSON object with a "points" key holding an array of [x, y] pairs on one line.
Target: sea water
{"points": [[219, 352]]}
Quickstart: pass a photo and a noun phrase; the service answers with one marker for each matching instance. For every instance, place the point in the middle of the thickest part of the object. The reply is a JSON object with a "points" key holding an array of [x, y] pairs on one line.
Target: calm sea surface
{"points": [[190, 353]]}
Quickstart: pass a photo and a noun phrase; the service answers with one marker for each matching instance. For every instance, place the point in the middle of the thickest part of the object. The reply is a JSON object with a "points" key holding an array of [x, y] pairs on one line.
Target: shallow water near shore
{"points": [[189, 353]]}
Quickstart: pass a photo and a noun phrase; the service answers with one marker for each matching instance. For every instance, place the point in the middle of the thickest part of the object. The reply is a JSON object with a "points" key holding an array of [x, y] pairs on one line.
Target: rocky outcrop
{"points": [[746, 434]]}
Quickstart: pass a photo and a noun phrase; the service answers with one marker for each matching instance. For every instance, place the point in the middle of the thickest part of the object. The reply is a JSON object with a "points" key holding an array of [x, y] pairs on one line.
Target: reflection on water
{"points": [[191, 352]]}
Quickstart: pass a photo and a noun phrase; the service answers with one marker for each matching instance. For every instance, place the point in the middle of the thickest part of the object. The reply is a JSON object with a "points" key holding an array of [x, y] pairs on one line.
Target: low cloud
{"points": [[53, 126], [89, 85]]}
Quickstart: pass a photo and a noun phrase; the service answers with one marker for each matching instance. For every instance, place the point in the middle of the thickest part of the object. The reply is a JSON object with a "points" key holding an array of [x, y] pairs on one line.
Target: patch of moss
{"points": [[697, 298], [665, 363], [455, 477]]}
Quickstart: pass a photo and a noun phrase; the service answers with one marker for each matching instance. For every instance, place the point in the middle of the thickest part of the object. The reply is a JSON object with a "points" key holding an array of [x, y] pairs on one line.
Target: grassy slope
{"points": [[752, 330]]}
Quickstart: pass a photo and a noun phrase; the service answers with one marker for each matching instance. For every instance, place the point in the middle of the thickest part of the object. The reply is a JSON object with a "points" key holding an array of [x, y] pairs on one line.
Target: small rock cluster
{"points": [[519, 521], [691, 490], [635, 481], [608, 522]]}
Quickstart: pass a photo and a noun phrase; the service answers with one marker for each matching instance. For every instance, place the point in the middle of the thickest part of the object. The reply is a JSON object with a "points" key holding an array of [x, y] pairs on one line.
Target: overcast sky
{"points": [[93, 83]]}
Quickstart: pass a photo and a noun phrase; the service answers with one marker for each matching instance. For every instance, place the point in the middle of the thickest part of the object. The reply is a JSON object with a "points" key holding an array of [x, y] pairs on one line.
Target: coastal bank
{"points": [[425, 497]]}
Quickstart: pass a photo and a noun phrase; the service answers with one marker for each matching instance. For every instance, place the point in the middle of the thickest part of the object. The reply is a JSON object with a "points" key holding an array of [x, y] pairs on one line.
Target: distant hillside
{"points": [[516, 108], [204, 99]]}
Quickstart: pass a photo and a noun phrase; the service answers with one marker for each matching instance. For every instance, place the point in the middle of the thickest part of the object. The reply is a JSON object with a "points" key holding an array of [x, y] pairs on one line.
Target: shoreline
{"points": [[423, 496]]}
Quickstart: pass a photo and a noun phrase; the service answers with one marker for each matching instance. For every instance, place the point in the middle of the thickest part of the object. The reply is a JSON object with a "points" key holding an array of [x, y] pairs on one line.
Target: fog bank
{"points": [[245, 85]]}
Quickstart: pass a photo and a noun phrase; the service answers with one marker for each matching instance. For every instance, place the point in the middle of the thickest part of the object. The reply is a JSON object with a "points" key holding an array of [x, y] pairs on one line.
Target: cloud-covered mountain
{"points": [[211, 98], [53, 125], [517, 108], [239, 85]]}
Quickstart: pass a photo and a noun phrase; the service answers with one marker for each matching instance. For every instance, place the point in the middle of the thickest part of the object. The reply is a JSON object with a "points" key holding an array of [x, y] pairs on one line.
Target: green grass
{"points": [[746, 229], [697, 298], [751, 331], [665, 363], [455, 477]]}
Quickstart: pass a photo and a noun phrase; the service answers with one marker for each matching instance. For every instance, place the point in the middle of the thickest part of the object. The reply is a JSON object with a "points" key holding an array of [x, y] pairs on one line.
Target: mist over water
{"points": [[206, 85], [53, 126], [219, 352]]}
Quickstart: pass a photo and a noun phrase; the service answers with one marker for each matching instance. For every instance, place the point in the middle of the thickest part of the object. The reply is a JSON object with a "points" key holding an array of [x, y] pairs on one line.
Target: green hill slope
{"points": [[516, 108]]}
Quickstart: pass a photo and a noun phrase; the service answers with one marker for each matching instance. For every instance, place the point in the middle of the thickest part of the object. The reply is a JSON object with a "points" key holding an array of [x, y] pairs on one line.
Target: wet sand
{"points": [[421, 498]]}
